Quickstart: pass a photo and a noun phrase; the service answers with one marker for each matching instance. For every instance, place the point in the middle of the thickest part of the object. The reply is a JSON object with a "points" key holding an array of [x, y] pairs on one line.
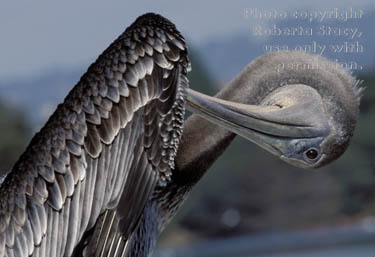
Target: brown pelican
{"points": [[101, 178]]}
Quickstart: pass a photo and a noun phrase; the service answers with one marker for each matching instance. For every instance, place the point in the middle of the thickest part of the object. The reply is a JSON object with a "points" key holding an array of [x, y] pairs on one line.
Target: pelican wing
{"points": [[103, 150]]}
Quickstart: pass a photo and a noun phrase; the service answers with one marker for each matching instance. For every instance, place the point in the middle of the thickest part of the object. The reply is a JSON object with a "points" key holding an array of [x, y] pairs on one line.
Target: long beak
{"points": [[270, 127]]}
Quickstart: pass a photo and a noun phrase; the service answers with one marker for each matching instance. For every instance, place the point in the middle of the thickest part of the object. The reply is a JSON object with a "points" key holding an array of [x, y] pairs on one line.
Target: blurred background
{"points": [[249, 203]]}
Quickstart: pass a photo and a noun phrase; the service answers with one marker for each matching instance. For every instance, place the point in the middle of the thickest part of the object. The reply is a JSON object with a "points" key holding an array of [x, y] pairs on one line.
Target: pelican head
{"points": [[305, 113]]}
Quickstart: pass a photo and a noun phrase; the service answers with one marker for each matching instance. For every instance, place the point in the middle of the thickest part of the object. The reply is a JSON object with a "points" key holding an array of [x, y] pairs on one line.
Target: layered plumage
{"points": [[102, 151]]}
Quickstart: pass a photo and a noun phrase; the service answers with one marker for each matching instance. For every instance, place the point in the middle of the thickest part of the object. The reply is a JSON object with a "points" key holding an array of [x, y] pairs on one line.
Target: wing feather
{"points": [[10, 252], [49, 233], [19, 249], [73, 220], [98, 197], [87, 195], [82, 204], [35, 221], [42, 248], [60, 231]]}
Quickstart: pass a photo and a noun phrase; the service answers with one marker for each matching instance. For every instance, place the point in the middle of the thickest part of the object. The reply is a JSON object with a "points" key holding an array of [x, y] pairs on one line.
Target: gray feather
{"points": [[62, 186], [58, 164], [125, 113], [35, 224], [131, 77], [143, 91], [54, 234], [135, 99], [2, 244], [123, 88], [121, 167], [116, 119], [73, 147], [49, 234], [82, 204], [158, 45], [74, 221], [19, 216], [89, 193], [20, 246], [40, 189], [121, 67], [139, 69], [94, 118], [174, 52], [47, 173], [131, 56], [161, 34], [162, 61], [148, 49], [89, 107], [9, 232], [148, 63], [55, 199], [69, 183], [98, 195], [65, 225], [10, 252], [114, 82], [60, 231], [179, 44], [106, 131], [93, 145], [106, 104], [150, 40], [139, 50], [112, 174], [42, 248], [113, 94]]}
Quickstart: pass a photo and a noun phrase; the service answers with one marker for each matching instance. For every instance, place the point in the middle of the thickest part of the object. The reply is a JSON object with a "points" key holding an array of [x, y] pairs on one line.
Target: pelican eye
{"points": [[311, 154]]}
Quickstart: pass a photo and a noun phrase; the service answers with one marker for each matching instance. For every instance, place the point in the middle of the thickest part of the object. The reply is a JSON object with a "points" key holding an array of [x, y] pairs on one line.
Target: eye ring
{"points": [[311, 154]]}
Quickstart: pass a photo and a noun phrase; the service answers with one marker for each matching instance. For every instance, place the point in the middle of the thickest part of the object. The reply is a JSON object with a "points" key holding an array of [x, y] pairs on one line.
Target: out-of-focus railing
{"points": [[355, 241]]}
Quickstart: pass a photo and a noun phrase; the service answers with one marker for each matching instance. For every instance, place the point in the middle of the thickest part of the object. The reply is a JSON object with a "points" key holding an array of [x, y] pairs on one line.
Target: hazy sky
{"points": [[39, 35]]}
